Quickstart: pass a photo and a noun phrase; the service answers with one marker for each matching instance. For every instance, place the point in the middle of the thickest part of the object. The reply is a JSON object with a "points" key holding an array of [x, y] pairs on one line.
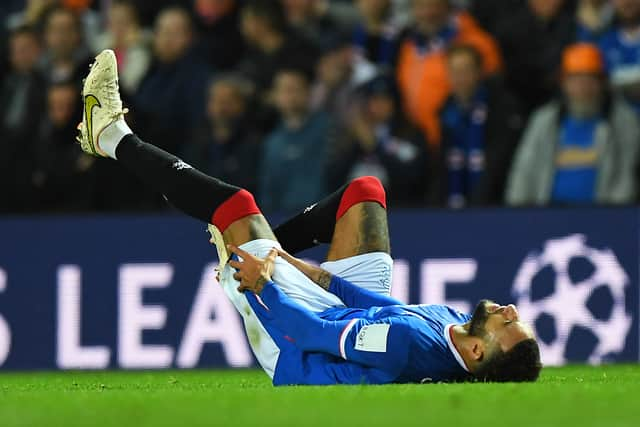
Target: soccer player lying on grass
{"points": [[307, 325]]}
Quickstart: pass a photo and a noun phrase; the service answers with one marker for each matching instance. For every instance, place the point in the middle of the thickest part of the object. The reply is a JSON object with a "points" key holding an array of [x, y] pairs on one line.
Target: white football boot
{"points": [[101, 100]]}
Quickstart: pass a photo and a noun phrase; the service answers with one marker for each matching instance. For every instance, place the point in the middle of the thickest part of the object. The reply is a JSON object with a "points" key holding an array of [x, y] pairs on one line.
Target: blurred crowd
{"points": [[451, 103]]}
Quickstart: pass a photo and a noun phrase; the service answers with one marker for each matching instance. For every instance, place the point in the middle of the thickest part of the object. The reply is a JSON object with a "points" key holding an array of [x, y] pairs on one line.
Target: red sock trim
{"points": [[363, 189], [236, 207]]}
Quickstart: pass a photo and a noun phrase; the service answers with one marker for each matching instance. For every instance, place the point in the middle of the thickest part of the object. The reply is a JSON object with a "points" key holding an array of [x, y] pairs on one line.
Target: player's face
{"points": [[499, 325]]}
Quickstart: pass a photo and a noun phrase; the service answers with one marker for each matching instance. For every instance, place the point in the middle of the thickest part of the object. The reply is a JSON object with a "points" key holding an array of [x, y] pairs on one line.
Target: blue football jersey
{"points": [[373, 340]]}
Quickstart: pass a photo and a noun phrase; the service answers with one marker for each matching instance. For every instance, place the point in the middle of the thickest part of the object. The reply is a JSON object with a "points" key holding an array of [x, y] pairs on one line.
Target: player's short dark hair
{"points": [[269, 10], [519, 364], [466, 49]]}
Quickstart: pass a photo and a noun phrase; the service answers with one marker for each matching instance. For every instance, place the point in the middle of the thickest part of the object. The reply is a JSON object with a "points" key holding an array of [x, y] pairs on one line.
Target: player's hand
{"points": [[253, 272]]}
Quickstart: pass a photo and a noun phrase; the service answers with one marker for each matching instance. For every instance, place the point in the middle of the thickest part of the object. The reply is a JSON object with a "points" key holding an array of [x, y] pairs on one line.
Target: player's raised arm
{"points": [[350, 294], [317, 275]]}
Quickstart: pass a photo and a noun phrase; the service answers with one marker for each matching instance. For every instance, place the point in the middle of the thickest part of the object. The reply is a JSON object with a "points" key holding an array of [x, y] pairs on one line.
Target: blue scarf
{"points": [[439, 42], [464, 147]]}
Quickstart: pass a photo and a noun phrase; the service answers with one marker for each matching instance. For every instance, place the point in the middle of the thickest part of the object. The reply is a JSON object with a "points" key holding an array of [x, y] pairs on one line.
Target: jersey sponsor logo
{"points": [[373, 338], [90, 102]]}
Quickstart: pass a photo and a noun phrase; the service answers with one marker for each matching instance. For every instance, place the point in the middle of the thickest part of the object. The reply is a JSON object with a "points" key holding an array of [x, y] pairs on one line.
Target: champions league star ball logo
{"points": [[574, 296]]}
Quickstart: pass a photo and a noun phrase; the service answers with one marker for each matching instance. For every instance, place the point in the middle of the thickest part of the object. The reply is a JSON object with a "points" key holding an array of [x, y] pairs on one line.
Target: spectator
{"points": [[339, 72], [481, 124], [227, 146], [21, 100], [130, 43], [171, 98], [532, 41], [421, 71], [60, 176], [312, 18], [593, 17], [621, 49], [579, 149], [295, 153], [265, 29], [381, 143], [22, 88], [66, 56], [375, 36], [90, 19], [221, 41]]}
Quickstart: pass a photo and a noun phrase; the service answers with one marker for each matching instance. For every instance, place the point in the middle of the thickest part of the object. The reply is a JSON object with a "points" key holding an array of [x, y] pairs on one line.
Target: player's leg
{"points": [[354, 221], [361, 221], [232, 209], [360, 247], [361, 230], [334, 214], [104, 133]]}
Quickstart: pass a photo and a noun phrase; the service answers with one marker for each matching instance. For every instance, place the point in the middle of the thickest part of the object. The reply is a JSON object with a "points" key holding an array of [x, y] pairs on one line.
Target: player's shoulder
{"points": [[442, 308], [440, 313]]}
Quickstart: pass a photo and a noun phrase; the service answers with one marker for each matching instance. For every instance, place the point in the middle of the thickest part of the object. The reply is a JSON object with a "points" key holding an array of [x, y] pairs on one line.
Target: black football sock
{"points": [[312, 226], [186, 188]]}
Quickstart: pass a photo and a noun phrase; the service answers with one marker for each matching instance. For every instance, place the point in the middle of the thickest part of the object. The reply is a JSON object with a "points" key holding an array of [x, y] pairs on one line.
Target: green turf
{"points": [[571, 396]]}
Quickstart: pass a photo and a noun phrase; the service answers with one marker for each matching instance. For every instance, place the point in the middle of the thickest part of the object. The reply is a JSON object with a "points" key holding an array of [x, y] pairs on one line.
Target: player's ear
{"points": [[477, 348]]}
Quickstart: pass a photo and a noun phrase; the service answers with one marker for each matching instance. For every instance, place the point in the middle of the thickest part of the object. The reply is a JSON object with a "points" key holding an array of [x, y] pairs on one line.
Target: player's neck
{"points": [[464, 345]]}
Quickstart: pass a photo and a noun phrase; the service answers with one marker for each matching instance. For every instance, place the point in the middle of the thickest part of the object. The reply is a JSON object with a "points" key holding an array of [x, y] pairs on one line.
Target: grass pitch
{"points": [[572, 396]]}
